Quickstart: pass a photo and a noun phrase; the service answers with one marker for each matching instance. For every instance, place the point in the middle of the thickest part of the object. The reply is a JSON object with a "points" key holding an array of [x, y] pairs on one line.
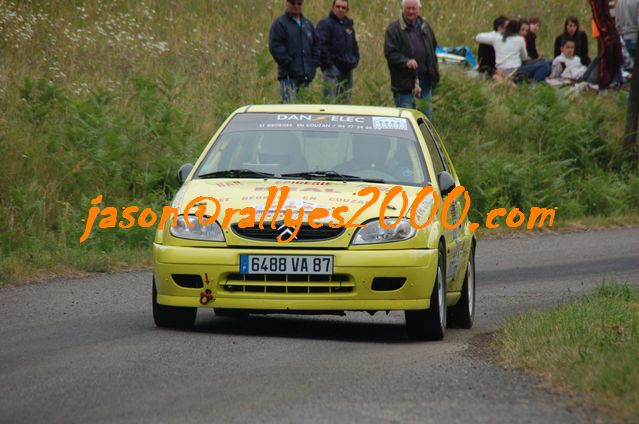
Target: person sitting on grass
{"points": [[531, 37], [567, 68], [534, 68], [524, 29], [572, 32], [510, 49], [510, 54], [486, 52]]}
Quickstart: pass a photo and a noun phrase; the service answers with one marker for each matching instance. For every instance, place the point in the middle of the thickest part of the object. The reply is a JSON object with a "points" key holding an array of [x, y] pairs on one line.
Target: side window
{"points": [[433, 150], [447, 165]]}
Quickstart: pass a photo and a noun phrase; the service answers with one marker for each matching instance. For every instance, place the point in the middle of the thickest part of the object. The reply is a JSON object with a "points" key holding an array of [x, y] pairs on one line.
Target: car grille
{"points": [[289, 284], [306, 233]]}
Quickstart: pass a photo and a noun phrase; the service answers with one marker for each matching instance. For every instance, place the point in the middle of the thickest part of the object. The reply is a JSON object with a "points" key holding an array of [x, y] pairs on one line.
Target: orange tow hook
{"points": [[206, 296]]}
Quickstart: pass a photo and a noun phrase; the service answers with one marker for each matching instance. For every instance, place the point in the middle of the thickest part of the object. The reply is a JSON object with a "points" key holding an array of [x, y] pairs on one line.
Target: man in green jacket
{"points": [[409, 47]]}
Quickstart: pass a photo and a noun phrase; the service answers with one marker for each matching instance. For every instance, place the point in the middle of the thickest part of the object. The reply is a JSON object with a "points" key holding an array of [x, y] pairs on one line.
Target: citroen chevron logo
{"points": [[284, 231]]}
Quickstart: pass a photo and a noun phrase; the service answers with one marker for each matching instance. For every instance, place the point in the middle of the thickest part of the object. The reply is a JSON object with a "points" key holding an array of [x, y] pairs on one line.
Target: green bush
{"points": [[536, 146], [126, 148]]}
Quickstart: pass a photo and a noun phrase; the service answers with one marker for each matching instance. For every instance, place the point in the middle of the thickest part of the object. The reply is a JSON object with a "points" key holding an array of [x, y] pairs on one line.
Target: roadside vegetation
{"points": [[589, 347], [111, 97]]}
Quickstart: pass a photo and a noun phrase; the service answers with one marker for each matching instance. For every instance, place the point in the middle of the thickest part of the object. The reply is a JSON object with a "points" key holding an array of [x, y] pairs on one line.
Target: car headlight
{"points": [[374, 233], [211, 232]]}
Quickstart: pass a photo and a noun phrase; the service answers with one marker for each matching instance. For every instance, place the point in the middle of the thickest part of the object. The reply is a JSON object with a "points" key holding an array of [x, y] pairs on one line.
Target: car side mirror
{"points": [[446, 183], [184, 172]]}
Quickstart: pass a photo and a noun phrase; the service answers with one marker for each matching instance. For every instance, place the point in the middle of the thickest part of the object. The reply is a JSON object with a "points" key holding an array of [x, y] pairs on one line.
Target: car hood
{"points": [[307, 194], [241, 194]]}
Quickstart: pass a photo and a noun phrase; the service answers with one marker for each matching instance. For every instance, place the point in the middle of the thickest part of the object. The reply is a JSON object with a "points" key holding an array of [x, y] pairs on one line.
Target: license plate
{"points": [[286, 264]]}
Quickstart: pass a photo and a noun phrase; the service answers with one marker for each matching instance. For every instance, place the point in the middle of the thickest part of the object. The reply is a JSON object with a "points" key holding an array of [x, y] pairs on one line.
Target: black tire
{"points": [[171, 316], [430, 324], [462, 315]]}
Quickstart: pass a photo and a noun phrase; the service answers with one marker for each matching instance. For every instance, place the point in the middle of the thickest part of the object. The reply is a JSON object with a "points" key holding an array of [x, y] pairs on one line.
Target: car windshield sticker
{"points": [[357, 124], [383, 123]]}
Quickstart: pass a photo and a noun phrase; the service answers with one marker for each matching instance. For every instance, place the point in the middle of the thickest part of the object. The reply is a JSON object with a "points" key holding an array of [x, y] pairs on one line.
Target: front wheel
{"points": [[430, 324], [171, 316], [462, 315]]}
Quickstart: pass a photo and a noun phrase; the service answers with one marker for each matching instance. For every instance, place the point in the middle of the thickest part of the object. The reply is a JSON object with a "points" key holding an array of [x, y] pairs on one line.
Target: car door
{"points": [[452, 236]]}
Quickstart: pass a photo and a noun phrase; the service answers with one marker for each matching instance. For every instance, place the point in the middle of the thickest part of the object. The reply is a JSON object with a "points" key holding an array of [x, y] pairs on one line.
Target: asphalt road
{"points": [[86, 350]]}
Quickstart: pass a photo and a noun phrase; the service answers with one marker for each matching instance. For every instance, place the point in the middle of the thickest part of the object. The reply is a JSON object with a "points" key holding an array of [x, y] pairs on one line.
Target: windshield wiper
{"points": [[236, 173], [332, 175]]}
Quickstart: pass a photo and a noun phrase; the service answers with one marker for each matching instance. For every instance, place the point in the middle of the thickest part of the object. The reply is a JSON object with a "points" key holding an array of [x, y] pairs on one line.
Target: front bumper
{"points": [[349, 289]]}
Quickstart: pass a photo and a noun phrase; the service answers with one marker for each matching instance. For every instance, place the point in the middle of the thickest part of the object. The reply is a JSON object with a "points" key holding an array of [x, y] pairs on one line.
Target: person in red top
{"points": [[610, 55]]}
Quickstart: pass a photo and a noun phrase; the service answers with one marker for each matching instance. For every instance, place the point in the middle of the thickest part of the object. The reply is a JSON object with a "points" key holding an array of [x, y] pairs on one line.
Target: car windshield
{"points": [[321, 147]]}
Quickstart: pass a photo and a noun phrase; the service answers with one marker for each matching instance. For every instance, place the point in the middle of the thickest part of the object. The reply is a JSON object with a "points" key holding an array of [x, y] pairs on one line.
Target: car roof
{"points": [[328, 109]]}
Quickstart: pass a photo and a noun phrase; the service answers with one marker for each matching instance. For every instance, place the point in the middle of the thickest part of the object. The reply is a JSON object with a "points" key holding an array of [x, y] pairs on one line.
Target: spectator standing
{"points": [[627, 16], [572, 32], [339, 53], [293, 44], [531, 38], [486, 52], [409, 48], [609, 55]]}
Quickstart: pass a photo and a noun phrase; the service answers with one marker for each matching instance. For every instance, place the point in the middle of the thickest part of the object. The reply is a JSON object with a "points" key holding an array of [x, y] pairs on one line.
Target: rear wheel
{"points": [[462, 315], [430, 324], [171, 316]]}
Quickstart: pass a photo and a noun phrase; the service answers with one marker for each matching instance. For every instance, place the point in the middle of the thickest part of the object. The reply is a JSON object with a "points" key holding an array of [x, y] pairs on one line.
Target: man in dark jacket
{"points": [[293, 44], [339, 53], [409, 47]]}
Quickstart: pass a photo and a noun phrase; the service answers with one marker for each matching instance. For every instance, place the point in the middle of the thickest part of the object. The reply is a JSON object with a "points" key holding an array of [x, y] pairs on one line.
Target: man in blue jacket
{"points": [[293, 44], [339, 53]]}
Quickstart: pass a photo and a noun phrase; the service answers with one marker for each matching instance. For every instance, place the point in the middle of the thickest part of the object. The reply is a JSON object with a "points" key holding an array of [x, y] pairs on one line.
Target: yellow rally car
{"points": [[319, 209]]}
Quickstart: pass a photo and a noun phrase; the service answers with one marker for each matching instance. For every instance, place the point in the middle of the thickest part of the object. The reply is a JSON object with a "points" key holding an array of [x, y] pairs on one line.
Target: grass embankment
{"points": [[111, 97], [590, 347]]}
